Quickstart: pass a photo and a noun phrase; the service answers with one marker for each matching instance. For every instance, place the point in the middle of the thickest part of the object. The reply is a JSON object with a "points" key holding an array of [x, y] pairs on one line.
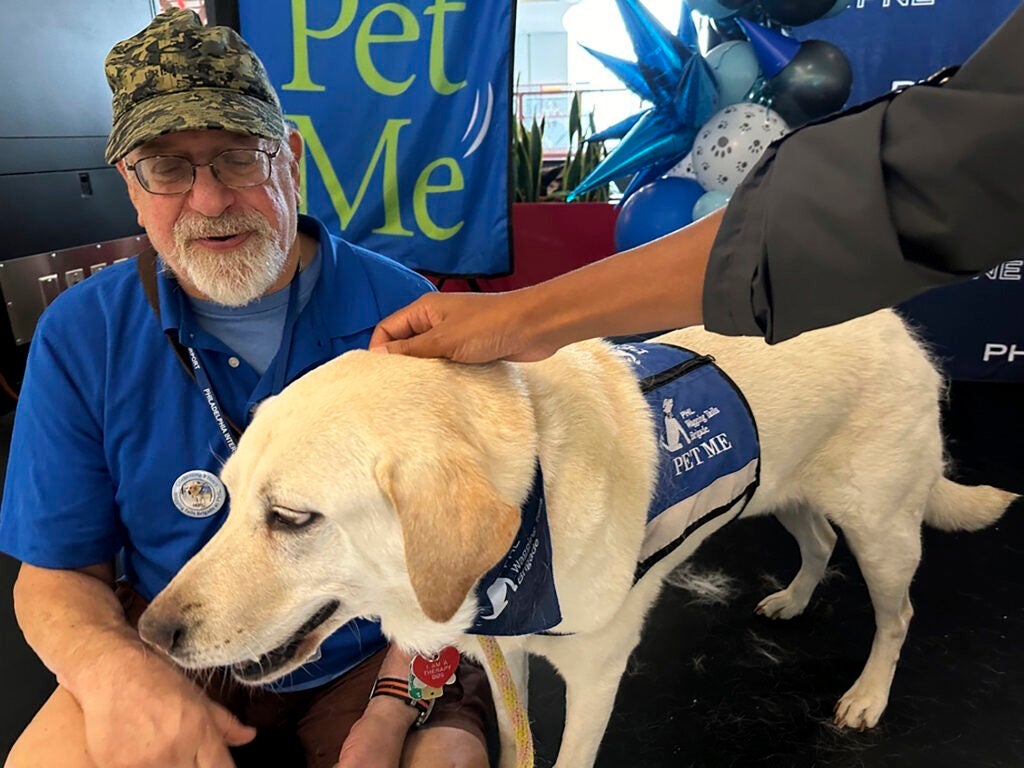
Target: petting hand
{"points": [[141, 712], [464, 327], [378, 737]]}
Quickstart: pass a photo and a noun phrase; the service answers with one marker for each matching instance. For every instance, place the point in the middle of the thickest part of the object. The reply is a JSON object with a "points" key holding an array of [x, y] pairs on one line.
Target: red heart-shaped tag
{"points": [[436, 672]]}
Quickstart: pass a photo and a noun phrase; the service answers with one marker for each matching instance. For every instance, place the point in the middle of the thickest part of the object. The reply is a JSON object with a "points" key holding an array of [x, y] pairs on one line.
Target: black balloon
{"points": [[816, 83], [793, 13]]}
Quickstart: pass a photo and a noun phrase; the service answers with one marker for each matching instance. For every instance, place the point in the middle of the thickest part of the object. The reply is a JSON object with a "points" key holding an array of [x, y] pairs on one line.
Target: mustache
{"points": [[196, 226]]}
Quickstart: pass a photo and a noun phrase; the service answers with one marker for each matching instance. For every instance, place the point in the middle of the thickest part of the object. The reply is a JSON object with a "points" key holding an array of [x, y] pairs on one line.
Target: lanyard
{"points": [[189, 360], [228, 431]]}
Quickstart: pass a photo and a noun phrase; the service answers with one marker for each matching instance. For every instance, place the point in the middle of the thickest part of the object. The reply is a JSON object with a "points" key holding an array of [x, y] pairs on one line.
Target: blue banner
{"points": [[404, 109], [975, 327]]}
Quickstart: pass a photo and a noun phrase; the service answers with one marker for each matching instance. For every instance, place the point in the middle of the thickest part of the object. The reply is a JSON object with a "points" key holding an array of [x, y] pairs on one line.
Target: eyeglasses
{"points": [[173, 175]]}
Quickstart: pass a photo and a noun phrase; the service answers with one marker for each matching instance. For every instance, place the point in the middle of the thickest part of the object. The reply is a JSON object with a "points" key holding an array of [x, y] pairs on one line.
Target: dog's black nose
{"points": [[166, 632]]}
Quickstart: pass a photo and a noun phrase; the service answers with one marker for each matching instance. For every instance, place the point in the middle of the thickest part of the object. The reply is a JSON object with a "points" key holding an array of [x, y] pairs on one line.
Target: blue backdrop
{"points": [[977, 327], [404, 108]]}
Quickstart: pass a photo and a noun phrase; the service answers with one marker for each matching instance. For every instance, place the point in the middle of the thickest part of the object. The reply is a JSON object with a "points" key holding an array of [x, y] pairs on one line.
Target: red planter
{"points": [[549, 239]]}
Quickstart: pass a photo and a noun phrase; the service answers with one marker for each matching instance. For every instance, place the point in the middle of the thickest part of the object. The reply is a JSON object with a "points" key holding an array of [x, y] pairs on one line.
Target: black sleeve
{"points": [[868, 208]]}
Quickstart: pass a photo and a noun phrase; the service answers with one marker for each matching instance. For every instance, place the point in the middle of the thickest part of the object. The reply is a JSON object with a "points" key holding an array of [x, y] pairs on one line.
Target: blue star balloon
{"points": [[688, 30], [682, 90], [627, 71], [618, 130], [660, 55]]}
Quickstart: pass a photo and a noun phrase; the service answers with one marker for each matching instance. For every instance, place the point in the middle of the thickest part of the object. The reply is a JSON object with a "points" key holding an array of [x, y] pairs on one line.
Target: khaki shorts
{"points": [[317, 721]]}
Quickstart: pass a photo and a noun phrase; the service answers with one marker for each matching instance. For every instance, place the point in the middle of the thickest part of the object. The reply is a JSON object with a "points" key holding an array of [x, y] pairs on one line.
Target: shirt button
{"points": [[233, 362]]}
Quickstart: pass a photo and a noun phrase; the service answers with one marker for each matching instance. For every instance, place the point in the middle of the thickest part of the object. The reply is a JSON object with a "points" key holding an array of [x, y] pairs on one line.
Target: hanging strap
{"points": [[147, 266], [511, 699]]}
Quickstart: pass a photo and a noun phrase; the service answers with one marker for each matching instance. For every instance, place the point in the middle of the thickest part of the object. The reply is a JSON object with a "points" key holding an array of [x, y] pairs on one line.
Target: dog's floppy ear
{"points": [[454, 526]]}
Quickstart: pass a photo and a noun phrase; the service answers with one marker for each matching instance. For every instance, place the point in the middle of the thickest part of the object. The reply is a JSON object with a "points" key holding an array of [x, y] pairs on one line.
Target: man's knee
{"points": [[56, 736], [444, 747]]}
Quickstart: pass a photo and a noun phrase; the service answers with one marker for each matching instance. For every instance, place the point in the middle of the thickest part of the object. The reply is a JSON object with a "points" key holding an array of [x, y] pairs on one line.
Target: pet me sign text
{"points": [[401, 106]]}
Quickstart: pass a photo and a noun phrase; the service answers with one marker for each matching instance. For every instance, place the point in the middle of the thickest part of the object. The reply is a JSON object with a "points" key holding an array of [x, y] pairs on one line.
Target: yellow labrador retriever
{"points": [[386, 486]]}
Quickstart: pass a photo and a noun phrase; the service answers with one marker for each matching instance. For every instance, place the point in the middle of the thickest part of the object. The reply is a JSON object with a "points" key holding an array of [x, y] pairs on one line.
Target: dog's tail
{"points": [[955, 507]]}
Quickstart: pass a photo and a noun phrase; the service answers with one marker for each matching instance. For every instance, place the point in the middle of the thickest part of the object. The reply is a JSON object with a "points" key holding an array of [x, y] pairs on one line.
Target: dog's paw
{"points": [[781, 605], [860, 709]]}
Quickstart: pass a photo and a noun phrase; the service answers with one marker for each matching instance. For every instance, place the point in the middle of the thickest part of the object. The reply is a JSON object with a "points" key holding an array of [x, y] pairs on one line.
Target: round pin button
{"points": [[198, 493]]}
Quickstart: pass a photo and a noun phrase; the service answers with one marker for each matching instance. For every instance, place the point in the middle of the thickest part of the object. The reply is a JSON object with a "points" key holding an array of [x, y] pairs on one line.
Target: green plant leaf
{"points": [[527, 163], [536, 157], [575, 129]]}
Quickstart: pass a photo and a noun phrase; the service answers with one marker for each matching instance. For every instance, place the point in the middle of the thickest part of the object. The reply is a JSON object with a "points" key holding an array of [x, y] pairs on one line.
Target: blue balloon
{"points": [[735, 68], [774, 51], [709, 202], [656, 209]]}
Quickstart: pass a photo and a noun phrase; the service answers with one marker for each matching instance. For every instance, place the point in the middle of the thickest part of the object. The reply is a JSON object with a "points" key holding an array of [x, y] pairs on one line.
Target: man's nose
{"points": [[209, 196]]}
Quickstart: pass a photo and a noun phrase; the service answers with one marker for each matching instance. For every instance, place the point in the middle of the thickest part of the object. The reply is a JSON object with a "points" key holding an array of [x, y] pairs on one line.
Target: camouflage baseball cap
{"points": [[177, 75]]}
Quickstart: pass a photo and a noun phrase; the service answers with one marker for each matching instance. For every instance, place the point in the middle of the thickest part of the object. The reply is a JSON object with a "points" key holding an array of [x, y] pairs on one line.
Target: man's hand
{"points": [[141, 712], [466, 328], [378, 737]]}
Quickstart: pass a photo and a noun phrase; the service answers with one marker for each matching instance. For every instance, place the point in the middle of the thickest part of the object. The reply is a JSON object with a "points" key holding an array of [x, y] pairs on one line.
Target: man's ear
{"points": [[454, 527], [128, 177], [295, 144]]}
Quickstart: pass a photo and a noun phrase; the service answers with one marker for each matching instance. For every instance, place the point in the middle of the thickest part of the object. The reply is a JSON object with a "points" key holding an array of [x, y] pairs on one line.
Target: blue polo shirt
{"points": [[107, 421]]}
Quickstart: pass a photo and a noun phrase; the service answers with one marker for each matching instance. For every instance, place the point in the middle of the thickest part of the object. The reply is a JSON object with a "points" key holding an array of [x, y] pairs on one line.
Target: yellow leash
{"points": [[510, 698]]}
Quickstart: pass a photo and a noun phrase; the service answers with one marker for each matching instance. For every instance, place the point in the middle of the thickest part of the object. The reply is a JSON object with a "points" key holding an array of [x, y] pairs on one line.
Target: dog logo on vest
{"points": [[673, 429], [497, 593], [198, 493]]}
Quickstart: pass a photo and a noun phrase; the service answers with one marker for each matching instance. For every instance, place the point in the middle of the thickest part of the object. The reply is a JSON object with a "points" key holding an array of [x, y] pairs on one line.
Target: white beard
{"points": [[233, 278]]}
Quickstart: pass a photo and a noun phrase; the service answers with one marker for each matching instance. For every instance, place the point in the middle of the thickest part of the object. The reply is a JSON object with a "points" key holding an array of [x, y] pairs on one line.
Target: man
{"points": [[135, 382]]}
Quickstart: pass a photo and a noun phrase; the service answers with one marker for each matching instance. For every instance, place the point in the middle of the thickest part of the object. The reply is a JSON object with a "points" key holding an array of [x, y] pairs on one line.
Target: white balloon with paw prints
{"points": [[731, 142], [683, 169]]}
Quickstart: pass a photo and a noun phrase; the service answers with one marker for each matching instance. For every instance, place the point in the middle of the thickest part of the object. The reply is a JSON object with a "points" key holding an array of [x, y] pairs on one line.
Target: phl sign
{"points": [[403, 107], [976, 328]]}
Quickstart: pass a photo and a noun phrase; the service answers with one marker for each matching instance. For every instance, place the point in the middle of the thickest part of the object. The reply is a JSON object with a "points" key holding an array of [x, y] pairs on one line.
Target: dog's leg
{"points": [[816, 539], [888, 557], [592, 666]]}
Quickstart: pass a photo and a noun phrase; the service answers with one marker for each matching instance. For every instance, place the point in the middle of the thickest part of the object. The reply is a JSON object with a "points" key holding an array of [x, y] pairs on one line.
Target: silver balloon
{"points": [[735, 67]]}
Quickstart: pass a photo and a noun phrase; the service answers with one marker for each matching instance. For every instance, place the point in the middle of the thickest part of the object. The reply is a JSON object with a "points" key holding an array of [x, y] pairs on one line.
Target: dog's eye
{"points": [[290, 519]]}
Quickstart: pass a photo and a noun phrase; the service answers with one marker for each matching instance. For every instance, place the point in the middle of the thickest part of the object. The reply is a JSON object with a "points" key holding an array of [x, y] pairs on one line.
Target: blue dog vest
{"points": [[709, 466]]}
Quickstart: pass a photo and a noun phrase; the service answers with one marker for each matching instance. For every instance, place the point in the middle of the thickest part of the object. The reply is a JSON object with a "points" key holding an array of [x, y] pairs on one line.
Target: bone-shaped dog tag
{"points": [[421, 691]]}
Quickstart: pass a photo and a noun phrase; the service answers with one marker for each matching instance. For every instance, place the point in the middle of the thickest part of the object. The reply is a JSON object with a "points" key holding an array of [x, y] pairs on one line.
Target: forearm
{"points": [[653, 287], [73, 621]]}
